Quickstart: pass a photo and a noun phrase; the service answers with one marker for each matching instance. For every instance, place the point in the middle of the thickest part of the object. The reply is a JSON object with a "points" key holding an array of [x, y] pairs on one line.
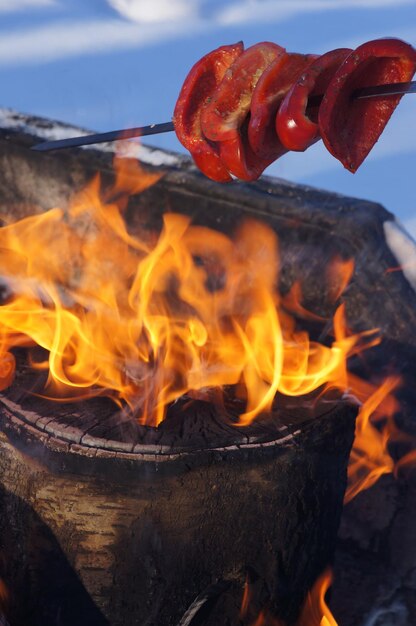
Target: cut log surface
{"points": [[192, 425]]}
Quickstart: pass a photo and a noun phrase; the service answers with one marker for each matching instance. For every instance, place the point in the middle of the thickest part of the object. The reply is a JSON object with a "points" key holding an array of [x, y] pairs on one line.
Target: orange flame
{"points": [[375, 431], [369, 458], [401, 268], [144, 320], [245, 602], [406, 462], [314, 612], [267, 620], [339, 273]]}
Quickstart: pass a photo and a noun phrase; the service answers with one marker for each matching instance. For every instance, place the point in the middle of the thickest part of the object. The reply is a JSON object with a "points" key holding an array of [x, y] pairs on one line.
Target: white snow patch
{"points": [[410, 226], [49, 131], [403, 246]]}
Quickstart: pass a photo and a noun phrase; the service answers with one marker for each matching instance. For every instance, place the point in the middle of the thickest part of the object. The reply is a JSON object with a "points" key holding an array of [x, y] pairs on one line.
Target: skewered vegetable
{"points": [[239, 110]]}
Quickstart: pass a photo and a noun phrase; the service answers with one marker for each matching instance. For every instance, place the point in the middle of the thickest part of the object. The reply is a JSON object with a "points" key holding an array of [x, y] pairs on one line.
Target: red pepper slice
{"points": [[270, 90], [297, 121], [224, 117], [227, 109], [201, 82], [239, 157], [350, 127]]}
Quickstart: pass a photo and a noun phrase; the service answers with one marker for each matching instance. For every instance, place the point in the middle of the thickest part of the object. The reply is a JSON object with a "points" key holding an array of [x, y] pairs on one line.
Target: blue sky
{"points": [[106, 64]]}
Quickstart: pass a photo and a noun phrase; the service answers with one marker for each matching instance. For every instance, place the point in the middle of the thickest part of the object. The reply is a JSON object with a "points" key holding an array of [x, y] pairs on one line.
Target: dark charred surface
{"points": [[376, 556], [375, 562], [66, 436], [207, 420]]}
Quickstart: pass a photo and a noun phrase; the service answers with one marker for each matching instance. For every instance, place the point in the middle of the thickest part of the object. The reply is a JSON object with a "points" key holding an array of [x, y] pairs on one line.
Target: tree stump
{"points": [[132, 529], [102, 522]]}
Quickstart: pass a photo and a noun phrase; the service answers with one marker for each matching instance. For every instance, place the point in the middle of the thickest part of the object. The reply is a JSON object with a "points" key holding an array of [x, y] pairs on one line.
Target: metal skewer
{"points": [[393, 89], [113, 135]]}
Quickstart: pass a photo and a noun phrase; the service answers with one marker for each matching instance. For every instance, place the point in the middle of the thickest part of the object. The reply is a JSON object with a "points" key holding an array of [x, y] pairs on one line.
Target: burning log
{"points": [[146, 531], [134, 521], [376, 551]]}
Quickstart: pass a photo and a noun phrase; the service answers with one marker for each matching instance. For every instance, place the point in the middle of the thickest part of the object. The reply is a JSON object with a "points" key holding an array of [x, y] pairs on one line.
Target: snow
{"points": [[403, 246], [49, 131]]}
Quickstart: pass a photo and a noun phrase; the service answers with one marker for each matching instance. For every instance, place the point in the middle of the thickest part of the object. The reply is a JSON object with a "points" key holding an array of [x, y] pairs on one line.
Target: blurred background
{"points": [[109, 64]]}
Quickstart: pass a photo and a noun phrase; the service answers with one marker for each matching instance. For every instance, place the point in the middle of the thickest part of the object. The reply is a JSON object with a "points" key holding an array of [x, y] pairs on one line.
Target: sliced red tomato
{"points": [[296, 121], [224, 117], [199, 85], [350, 126], [270, 90]]}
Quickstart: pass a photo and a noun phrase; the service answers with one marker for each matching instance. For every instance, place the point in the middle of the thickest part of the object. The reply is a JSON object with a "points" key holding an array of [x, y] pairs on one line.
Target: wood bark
{"points": [[134, 538]]}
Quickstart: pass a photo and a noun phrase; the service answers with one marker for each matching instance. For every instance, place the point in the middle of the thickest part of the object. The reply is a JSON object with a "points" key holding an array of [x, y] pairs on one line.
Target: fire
{"points": [[369, 458], [145, 320], [375, 431], [314, 612]]}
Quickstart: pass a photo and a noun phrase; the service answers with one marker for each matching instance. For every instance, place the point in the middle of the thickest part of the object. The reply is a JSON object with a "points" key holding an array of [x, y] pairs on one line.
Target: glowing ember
{"points": [[144, 321]]}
